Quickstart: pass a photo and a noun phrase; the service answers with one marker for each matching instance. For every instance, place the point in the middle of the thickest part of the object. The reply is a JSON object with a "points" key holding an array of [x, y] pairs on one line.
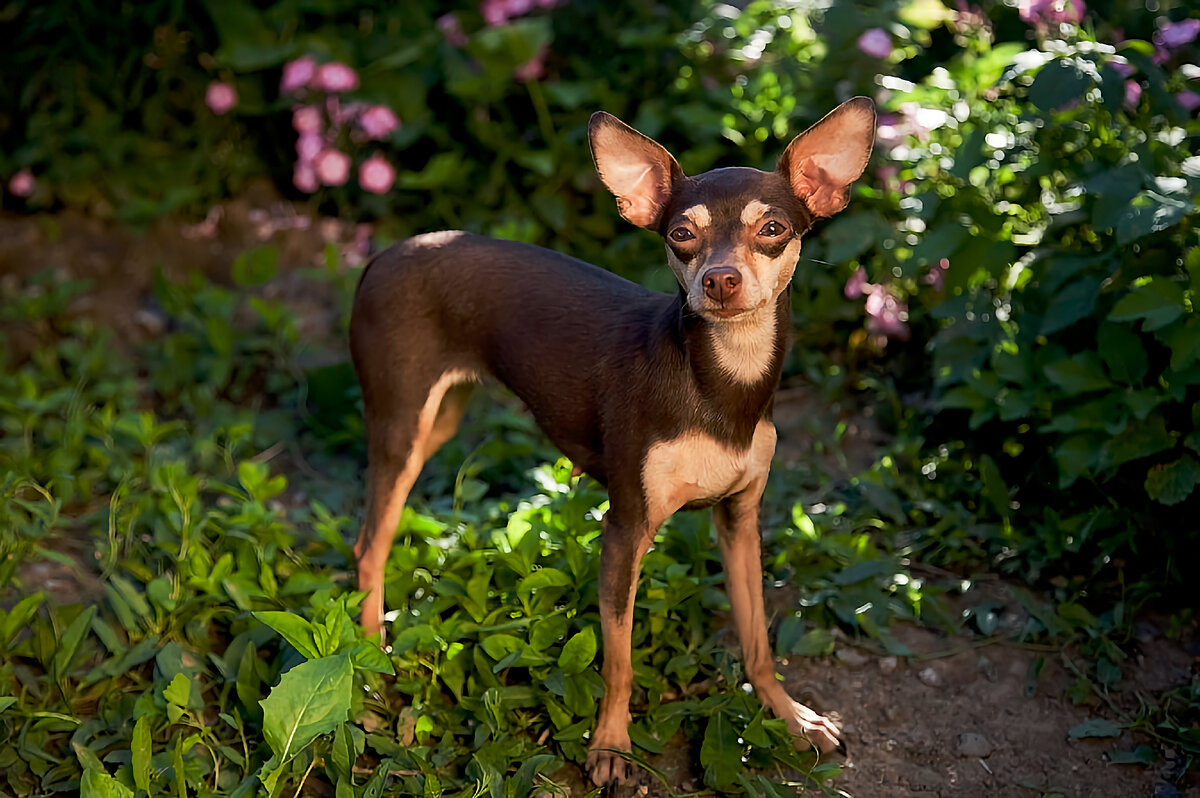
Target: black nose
{"points": [[721, 284]]}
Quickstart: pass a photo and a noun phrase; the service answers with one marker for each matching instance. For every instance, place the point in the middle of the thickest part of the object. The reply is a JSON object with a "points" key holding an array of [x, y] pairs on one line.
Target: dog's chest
{"points": [[697, 468]]}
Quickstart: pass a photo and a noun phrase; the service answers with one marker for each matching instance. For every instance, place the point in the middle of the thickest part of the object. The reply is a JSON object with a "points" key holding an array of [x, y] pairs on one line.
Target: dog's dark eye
{"points": [[681, 234], [772, 229]]}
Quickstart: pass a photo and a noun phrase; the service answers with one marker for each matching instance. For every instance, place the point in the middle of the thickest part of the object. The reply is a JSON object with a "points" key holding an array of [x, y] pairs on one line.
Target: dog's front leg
{"points": [[623, 546], [736, 519]]}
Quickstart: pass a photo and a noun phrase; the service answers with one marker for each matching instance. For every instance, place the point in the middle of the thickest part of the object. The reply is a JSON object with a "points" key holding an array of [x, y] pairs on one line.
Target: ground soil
{"points": [[958, 718]]}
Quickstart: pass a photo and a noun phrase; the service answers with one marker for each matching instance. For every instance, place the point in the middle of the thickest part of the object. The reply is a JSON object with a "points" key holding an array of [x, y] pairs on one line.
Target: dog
{"points": [[665, 399]]}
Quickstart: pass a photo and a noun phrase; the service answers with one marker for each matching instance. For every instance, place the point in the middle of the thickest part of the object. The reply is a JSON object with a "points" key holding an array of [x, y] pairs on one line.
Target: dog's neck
{"points": [[737, 363]]}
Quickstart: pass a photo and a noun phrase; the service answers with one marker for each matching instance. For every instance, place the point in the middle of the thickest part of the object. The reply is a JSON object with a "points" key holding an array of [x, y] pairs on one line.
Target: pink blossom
{"points": [[332, 167], [1190, 100], [533, 69], [376, 175], [876, 43], [857, 284], [1122, 68], [304, 177], [1133, 93], [306, 119], [887, 314], [22, 184], [451, 28], [378, 122], [1051, 11], [937, 274], [1176, 34], [308, 147], [297, 74], [335, 77], [220, 97]]}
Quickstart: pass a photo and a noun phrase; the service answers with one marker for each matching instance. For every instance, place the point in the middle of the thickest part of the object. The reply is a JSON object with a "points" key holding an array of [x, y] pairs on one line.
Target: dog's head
{"points": [[733, 235]]}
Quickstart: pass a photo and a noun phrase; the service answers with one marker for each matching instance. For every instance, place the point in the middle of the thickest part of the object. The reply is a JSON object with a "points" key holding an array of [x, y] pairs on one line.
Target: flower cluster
{"points": [[323, 123], [498, 12], [887, 315], [22, 184]]}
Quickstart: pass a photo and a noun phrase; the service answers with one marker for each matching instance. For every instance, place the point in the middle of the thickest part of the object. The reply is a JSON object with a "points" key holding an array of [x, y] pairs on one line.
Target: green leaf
{"points": [[1074, 302], [720, 753], [255, 266], [1142, 755], [291, 627], [1095, 727], [310, 700], [1078, 374], [1171, 483], [19, 616], [1148, 213], [578, 652], [1122, 351], [1057, 83], [6, 701], [71, 639], [142, 749], [98, 784], [1159, 301], [1139, 439]]}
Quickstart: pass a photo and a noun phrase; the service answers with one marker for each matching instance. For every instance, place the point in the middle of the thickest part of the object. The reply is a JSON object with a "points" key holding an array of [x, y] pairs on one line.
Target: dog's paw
{"points": [[817, 731], [605, 764]]}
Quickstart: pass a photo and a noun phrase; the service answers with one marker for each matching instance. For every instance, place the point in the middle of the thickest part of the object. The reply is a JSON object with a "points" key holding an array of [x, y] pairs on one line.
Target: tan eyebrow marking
{"points": [[753, 212], [698, 215]]}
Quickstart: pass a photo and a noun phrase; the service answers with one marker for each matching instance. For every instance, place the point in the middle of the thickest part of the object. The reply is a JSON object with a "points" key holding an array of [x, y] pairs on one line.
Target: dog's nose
{"points": [[721, 283]]}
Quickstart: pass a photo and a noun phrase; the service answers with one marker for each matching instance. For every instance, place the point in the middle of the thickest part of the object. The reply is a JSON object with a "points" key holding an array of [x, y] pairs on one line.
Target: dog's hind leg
{"points": [[401, 435]]}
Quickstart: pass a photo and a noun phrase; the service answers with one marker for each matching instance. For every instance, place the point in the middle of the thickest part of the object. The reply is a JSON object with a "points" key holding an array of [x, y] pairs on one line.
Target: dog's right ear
{"points": [[636, 169]]}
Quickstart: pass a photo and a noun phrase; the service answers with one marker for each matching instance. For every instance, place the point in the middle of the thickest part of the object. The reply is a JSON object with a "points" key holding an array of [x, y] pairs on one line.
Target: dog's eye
{"points": [[681, 234], [772, 230]]}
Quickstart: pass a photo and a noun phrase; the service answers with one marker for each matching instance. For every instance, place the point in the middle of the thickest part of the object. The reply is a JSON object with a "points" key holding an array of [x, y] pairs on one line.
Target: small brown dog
{"points": [[664, 398]]}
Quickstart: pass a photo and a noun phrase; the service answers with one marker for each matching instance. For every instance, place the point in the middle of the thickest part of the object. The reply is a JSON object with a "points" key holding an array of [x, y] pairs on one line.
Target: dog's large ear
{"points": [[822, 162], [636, 169]]}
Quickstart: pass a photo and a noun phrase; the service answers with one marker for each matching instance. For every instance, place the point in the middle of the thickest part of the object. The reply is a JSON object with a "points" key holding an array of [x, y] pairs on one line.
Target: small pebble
{"points": [[930, 677], [889, 664], [851, 658], [971, 744]]}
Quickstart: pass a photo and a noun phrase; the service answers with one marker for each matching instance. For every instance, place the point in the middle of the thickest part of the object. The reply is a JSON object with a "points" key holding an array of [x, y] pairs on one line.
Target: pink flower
{"points": [[857, 284], [297, 74], [1176, 34], [1133, 93], [378, 122], [220, 97], [308, 147], [332, 167], [533, 69], [876, 43], [937, 274], [22, 184], [304, 177], [1190, 100], [335, 77], [451, 28], [306, 119], [887, 314], [1051, 11], [376, 175]]}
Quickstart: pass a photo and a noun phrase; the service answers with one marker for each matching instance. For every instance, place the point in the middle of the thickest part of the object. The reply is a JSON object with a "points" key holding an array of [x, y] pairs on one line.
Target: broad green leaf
{"points": [[720, 753], [1076, 456], [1142, 755], [6, 702], [255, 266], [1148, 213], [1122, 351], [578, 652], [142, 750], [1139, 439], [1095, 727], [293, 628], [310, 700], [1074, 302], [98, 784], [71, 639], [1159, 302], [1078, 374], [862, 571], [1171, 483], [1058, 83], [19, 616]]}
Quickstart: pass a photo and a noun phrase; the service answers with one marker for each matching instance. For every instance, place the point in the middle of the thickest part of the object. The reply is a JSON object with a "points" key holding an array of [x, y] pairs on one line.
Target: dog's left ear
{"points": [[822, 162]]}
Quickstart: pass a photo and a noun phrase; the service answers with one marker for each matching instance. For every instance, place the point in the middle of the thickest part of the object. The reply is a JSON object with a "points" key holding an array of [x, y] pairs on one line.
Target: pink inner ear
{"points": [[822, 195]]}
